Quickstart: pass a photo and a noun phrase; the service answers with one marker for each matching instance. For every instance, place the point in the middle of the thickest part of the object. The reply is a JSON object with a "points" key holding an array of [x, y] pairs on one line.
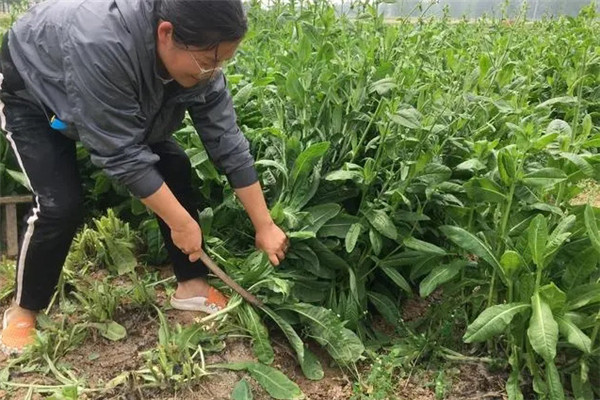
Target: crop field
{"points": [[437, 179]]}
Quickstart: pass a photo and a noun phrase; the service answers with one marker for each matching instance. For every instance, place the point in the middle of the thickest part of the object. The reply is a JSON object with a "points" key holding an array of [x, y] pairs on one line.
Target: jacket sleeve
{"points": [[101, 91], [227, 147]]}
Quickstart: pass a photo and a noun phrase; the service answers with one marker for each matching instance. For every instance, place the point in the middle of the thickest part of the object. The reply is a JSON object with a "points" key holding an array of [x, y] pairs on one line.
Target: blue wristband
{"points": [[57, 124]]}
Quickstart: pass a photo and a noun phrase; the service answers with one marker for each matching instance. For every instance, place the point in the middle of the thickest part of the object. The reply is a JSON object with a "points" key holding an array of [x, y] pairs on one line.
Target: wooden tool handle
{"points": [[250, 298]]}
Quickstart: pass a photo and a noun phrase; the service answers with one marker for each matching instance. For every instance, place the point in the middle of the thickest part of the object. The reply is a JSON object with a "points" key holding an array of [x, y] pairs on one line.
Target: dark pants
{"points": [[48, 159]]}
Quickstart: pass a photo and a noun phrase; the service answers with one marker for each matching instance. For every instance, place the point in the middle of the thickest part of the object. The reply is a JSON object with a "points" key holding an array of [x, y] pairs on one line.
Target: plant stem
{"points": [[366, 131], [491, 292], [595, 331], [506, 213]]}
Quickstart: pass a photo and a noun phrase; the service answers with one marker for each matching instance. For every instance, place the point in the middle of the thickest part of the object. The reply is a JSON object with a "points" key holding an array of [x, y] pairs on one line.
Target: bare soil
{"points": [[99, 360]]}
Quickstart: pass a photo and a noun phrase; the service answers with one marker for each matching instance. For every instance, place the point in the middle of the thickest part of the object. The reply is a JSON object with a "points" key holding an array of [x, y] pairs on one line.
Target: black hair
{"points": [[205, 23]]}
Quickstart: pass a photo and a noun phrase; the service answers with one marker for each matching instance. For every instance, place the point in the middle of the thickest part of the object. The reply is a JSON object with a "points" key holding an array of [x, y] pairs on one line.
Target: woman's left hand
{"points": [[273, 241]]}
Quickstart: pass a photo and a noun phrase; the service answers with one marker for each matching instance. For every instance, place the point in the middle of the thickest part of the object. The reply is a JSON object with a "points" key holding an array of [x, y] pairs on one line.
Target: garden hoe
{"points": [[250, 298]]}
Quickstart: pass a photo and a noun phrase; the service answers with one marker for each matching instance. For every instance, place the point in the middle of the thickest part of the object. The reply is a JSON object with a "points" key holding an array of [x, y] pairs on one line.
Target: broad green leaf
{"points": [[327, 329], [593, 142], [164, 334], [545, 177], [293, 86], [583, 295], [19, 177], [543, 329], [513, 389], [302, 235], [386, 307], [579, 269], [587, 126], [312, 263], [440, 275], [382, 223], [485, 63], [241, 97], [155, 246], [383, 86], [320, 214], [205, 219], [274, 164], [537, 238], [559, 127], [342, 175], [376, 241], [311, 367], [308, 158], [110, 330], [545, 140], [566, 100], [338, 226], [397, 278], [408, 118], [554, 297], [493, 321], [137, 207], [423, 266], [121, 256], [592, 227], [511, 262], [434, 174], [470, 165], [545, 207], [327, 258], [352, 237], [582, 388], [485, 190], [326, 51], [425, 247], [242, 391], [555, 388], [304, 188], [272, 380], [507, 167], [260, 336], [558, 237], [573, 334], [580, 162], [369, 170], [473, 244]]}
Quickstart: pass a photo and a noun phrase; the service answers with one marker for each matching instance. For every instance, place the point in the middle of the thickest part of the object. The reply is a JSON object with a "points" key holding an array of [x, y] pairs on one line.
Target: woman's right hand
{"points": [[188, 239]]}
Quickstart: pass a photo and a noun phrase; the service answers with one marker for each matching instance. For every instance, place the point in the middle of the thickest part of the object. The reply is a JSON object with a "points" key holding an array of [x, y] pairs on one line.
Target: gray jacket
{"points": [[94, 64]]}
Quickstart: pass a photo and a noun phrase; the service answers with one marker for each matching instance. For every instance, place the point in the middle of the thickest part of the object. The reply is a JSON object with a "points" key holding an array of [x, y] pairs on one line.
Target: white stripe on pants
{"points": [[31, 220]]}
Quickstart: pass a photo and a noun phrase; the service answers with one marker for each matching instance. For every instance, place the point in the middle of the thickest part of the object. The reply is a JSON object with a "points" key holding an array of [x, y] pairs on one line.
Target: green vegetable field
{"points": [[437, 180]]}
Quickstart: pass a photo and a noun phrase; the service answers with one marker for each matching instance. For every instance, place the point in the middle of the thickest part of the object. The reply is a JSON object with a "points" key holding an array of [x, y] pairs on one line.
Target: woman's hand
{"points": [[273, 241], [188, 239]]}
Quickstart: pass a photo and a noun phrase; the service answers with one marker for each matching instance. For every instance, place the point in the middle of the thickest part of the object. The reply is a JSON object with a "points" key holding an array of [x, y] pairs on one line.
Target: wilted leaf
{"points": [[110, 330]]}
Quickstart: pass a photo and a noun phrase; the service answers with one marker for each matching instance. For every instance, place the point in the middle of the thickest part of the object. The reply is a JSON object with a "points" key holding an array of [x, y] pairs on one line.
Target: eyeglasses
{"points": [[204, 71]]}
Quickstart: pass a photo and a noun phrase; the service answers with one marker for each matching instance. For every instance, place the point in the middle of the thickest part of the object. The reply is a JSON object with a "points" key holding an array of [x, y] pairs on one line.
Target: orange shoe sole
{"points": [[17, 333]]}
